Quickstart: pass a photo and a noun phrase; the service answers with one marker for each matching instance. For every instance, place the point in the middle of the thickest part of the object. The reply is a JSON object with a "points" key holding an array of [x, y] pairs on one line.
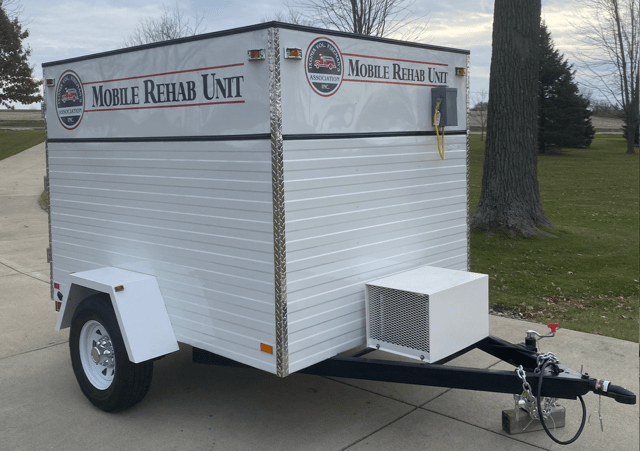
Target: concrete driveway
{"points": [[196, 407]]}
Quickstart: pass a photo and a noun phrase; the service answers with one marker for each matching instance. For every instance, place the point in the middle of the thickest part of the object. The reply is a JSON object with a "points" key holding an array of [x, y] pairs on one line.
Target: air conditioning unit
{"points": [[427, 313]]}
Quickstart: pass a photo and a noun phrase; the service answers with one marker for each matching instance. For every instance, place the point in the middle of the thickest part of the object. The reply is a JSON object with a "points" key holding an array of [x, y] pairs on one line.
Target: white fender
{"points": [[138, 305]]}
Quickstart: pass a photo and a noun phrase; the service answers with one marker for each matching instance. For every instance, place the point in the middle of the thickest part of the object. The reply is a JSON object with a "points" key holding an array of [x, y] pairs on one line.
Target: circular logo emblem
{"points": [[70, 100], [323, 66]]}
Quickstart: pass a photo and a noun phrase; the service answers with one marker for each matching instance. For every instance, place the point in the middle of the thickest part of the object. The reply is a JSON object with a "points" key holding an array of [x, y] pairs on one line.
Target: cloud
{"points": [[558, 18], [469, 30], [74, 28]]}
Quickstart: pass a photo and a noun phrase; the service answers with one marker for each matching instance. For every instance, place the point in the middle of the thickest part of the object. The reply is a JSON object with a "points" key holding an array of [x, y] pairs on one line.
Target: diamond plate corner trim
{"points": [[277, 178], [468, 167], [48, 188]]}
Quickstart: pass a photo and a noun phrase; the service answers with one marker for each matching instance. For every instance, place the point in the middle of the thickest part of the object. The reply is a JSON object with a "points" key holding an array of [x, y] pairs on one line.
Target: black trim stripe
{"points": [[303, 137], [254, 137], [257, 27], [143, 139]]}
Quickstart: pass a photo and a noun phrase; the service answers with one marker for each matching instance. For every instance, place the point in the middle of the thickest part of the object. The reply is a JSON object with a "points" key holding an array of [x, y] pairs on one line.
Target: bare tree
{"points": [[290, 15], [384, 18], [609, 31], [15, 10], [481, 107], [510, 196], [603, 108], [12, 8], [172, 24]]}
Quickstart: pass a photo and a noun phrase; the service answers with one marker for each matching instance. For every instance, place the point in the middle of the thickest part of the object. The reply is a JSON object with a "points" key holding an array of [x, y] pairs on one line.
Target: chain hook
{"points": [[526, 400]]}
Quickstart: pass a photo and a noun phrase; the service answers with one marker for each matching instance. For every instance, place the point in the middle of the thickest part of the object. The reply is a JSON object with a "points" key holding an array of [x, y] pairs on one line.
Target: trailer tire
{"points": [[100, 361]]}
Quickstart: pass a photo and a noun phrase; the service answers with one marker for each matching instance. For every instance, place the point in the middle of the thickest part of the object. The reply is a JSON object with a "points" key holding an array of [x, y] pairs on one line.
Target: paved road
{"points": [[195, 407]]}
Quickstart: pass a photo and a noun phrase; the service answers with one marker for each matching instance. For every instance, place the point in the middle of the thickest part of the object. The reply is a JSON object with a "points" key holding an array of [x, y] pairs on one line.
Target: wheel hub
{"points": [[102, 353], [95, 355]]}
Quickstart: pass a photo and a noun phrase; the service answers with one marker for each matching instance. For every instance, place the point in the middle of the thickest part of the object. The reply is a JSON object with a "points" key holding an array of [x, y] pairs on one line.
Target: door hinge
{"points": [[49, 255]]}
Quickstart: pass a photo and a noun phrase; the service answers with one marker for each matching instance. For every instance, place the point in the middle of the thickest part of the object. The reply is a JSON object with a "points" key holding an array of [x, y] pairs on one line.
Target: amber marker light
{"points": [[266, 348], [460, 71], [256, 54], [293, 53]]}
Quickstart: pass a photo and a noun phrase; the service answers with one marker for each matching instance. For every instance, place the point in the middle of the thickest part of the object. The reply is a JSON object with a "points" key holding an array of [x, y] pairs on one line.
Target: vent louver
{"points": [[399, 317]]}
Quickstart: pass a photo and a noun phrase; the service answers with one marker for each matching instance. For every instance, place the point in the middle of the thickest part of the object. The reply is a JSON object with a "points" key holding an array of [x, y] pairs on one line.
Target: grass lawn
{"points": [[587, 278], [15, 141]]}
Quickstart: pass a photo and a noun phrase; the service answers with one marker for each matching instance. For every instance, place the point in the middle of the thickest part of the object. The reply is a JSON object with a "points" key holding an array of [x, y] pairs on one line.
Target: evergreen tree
{"points": [[564, 118], [16, 76]]}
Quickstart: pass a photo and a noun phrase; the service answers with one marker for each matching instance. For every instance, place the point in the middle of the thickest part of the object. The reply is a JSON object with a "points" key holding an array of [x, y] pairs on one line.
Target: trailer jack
{"points": [[550, 378]]}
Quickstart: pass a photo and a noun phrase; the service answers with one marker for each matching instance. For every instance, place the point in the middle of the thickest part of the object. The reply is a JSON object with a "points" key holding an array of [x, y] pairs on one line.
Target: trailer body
{"points": [[262, 176]]}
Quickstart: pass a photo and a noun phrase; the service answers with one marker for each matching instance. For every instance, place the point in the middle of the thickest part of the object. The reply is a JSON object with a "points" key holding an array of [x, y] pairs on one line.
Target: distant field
{"points": [[20, 115], [600, 123], [21, 118]]}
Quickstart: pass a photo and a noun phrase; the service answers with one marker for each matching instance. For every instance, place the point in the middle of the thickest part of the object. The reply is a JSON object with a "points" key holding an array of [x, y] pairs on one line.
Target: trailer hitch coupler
{"points": [[605, 388]]}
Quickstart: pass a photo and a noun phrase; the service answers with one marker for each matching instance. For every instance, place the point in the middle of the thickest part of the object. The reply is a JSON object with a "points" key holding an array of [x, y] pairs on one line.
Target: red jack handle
{"points": [[553, 327]]}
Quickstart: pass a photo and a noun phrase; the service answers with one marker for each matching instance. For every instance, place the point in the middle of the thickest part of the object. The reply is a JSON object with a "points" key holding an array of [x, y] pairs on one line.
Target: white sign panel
{"points": [[205, 87]]}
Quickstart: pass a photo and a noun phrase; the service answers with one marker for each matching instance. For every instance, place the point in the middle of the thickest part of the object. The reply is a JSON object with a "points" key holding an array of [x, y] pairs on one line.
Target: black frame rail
{"points": [[559, 381]]}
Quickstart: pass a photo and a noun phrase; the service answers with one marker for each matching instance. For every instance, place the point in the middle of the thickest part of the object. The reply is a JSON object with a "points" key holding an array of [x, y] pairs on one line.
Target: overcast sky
{"points": [[67, 28]]}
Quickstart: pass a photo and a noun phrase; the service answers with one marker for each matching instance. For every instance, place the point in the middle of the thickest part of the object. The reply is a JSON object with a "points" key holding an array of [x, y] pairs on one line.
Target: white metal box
{"points": [[261, 193], [427, 313]]}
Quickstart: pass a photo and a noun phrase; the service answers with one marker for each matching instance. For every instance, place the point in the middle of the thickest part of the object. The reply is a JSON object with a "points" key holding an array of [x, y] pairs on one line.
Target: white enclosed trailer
{"points": [[273, 194]]}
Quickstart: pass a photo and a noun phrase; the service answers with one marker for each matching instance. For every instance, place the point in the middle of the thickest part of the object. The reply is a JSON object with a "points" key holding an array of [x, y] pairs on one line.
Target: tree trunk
{"points": [[510, 198], [633, 113], [631, 135]]}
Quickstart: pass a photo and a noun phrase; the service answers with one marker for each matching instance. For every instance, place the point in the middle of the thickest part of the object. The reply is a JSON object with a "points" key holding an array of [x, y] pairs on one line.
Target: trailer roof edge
{"points": [[248, 28]]}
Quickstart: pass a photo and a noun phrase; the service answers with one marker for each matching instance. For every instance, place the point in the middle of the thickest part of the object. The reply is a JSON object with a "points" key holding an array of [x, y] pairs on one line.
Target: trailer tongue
{"points": [[551, 380]]}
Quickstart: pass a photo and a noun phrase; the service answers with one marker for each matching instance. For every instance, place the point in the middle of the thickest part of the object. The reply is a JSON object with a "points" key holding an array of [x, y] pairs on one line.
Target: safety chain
{"points": [[526, 400]]}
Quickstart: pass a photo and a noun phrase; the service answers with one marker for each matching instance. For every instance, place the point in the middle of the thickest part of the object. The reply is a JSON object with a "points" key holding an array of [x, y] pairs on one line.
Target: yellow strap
{"points": [[438, 139]]}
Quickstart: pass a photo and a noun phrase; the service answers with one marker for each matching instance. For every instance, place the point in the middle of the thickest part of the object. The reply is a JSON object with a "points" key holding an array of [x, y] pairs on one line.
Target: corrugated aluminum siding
{"points": [[361, 209], [197, 215]]}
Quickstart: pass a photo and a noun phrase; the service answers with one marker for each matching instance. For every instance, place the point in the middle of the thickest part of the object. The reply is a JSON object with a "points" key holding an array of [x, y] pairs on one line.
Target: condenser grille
{"points": [[399, 317]]}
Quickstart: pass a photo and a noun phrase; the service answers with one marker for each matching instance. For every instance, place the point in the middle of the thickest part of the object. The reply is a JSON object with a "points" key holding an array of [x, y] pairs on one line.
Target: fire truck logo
{"points": [[325, 61], [323, 66], [70, 95], [70, 100]]}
